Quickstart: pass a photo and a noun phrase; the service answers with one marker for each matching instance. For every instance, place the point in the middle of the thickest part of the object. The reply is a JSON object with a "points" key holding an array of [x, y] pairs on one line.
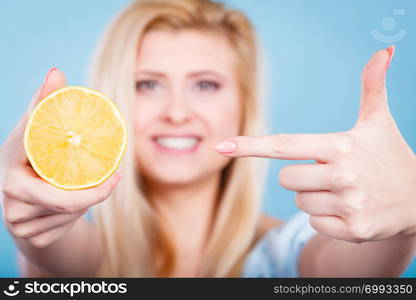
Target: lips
{"points": [[177, 144]]}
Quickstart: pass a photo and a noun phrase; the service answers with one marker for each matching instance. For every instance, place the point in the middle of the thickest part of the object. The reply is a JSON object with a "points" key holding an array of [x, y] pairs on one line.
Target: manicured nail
{"points": [[390, 50], [226, 147], [47, 74]]}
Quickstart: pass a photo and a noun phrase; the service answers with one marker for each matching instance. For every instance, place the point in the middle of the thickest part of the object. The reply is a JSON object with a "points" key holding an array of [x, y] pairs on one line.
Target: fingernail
{"points": [[390, 50], [47, 74], [226, 147]]}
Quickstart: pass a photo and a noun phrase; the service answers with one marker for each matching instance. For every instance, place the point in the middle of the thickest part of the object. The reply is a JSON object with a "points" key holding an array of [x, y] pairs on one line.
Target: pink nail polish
{"points": [[226, 147], [49, 73], [390, 50]]}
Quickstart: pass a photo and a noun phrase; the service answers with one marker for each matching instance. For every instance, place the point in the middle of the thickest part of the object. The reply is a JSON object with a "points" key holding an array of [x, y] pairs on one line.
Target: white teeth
{"points": [[177, 142]]}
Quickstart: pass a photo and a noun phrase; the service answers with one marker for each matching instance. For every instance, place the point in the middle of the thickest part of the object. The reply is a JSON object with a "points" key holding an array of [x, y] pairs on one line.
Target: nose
{"points": [[176, 112]]}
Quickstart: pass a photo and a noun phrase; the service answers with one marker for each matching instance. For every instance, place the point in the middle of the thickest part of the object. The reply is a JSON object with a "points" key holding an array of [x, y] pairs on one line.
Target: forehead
{"points": [[185, 50]]}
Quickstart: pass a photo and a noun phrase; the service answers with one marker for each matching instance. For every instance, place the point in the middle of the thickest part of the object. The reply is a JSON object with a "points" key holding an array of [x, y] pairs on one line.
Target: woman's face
{"points": [[187, 101]]}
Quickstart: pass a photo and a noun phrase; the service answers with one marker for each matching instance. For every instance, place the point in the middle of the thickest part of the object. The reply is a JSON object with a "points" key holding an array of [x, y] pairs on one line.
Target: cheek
{"points": [[224, 117], [143, 116], [229, 123], [144, 113]]}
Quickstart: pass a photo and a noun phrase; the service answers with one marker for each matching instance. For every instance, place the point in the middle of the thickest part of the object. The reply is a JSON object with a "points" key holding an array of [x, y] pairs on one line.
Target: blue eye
{"points": [[146, 85], [208, 85]]}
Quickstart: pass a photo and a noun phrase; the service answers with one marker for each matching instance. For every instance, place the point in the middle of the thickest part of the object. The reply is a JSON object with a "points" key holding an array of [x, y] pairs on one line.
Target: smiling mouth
{"points": [[177, 144]]}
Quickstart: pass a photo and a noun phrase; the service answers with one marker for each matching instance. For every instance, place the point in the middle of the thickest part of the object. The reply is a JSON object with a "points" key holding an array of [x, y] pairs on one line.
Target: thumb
{"points": [[54, 79], [374, 105]]}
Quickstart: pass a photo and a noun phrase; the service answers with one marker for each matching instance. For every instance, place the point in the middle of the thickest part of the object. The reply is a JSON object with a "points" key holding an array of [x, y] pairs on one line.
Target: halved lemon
{"points": [[75, 138]]}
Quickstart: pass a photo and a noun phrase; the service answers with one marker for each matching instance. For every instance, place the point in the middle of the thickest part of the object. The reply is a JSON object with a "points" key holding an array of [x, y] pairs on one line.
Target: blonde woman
{"points": [[184, 75]]}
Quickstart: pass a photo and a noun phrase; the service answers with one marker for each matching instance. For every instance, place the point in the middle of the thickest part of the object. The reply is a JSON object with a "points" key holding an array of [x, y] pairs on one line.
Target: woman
{"points": [[183, 74]]}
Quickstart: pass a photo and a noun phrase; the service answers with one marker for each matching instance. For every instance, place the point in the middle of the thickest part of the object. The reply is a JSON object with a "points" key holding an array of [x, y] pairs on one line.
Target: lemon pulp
{"points": [[75, 138]]}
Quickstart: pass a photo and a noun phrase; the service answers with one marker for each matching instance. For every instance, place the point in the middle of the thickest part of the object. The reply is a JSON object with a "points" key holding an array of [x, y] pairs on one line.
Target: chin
{"points": [[175, 177]]}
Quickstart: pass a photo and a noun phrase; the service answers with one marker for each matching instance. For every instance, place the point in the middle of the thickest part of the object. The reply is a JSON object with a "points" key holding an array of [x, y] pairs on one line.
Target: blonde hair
{"points": [[132, 231]]}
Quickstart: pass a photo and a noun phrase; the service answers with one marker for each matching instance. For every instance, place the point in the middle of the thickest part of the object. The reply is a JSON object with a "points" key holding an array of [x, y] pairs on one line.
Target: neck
{"points": [[188, 208]]}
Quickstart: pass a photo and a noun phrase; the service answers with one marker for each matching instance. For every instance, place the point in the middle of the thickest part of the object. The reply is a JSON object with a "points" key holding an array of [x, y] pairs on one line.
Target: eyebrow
{"points": [[152, 73], [205, 72], [191, 75]]}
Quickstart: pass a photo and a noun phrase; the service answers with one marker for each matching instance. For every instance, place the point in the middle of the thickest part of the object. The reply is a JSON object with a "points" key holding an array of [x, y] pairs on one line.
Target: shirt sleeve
{"points": [[277, 252]]}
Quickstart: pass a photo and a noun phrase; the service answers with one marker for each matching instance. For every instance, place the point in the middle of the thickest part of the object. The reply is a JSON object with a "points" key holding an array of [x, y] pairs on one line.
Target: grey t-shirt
{"points": [[277, 253]]}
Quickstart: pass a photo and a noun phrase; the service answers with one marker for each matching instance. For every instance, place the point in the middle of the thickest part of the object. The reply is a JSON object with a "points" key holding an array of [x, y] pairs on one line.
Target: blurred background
{"points": [[313, 55]]}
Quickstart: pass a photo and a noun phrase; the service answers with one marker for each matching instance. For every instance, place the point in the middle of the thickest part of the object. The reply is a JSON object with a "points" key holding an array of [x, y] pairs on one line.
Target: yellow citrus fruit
{"points": [[75, 138]]}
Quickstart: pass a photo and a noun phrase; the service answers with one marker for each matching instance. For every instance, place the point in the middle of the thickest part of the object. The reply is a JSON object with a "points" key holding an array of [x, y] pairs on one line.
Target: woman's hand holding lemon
{"points": [[32, 208], [363, 186]]}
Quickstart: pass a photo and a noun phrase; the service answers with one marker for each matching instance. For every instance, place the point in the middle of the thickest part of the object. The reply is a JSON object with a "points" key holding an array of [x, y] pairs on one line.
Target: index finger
{"points": [[320, 147]]}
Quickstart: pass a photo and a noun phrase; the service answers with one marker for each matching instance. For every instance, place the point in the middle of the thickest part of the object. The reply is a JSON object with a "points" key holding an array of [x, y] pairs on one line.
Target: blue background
{"points": [[315, 51]]}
